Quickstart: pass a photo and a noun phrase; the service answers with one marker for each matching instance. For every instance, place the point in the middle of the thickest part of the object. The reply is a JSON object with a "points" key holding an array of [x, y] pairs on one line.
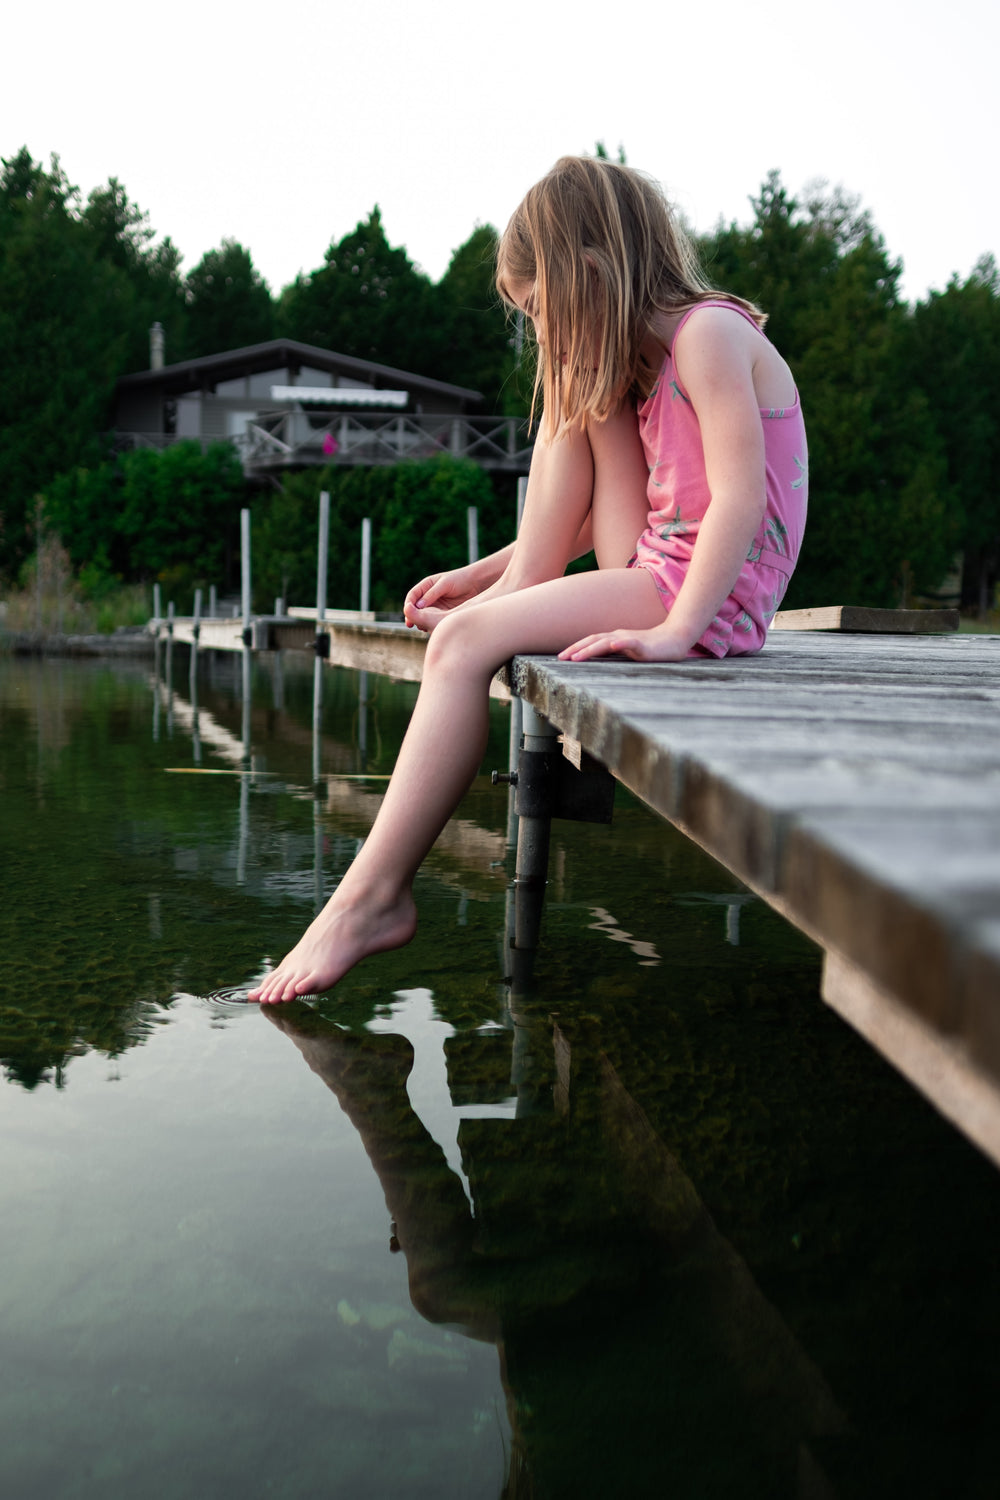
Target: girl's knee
{"points": [[461, 644]]}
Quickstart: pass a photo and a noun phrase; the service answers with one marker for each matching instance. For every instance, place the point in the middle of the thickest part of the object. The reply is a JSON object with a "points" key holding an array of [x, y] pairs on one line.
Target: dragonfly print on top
{"points": [[679, 496]]}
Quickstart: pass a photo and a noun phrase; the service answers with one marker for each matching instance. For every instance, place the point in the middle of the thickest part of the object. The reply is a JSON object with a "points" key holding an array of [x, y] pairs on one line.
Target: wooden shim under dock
{"points": [[860, 620]]}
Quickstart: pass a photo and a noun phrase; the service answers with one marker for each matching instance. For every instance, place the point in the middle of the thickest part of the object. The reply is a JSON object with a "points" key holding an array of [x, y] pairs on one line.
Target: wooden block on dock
{"points": [[859, 620]]}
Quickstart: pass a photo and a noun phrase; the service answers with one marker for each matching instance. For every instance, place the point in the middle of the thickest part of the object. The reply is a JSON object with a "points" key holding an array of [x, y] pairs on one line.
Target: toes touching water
{"points": [[341, 936]]}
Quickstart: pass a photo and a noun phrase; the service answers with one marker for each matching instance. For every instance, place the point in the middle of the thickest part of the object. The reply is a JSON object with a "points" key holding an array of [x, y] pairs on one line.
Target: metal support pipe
{"points": [[322, 555], [245, 572], [366, 562], [538, 745]]}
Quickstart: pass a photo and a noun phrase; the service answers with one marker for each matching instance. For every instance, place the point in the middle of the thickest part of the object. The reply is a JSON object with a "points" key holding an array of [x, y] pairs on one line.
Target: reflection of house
{"points": [[291, 405]]}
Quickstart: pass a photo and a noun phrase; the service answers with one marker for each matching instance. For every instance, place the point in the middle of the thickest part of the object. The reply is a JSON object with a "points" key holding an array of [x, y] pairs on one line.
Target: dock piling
{"points": [[245, 573], [534, 807], [366, 563]]}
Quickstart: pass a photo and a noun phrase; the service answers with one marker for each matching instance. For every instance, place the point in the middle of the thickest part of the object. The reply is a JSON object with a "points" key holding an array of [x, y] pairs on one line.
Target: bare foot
{"points": [[346, 931]]}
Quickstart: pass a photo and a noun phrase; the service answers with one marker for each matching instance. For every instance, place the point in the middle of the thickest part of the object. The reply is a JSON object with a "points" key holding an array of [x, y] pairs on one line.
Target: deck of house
{"points": [[851, 780]]}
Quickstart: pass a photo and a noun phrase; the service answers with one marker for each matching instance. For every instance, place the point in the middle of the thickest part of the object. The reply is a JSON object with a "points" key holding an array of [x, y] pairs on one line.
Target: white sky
{"points": [[281, 125]]}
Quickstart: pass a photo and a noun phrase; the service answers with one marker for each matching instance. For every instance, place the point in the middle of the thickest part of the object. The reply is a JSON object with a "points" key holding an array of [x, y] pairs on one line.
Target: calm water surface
{"points": [[655, 1224]]}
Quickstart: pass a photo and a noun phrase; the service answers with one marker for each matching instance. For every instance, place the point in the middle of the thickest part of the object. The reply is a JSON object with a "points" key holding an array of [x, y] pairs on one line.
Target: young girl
{"points": [[671, 443]]}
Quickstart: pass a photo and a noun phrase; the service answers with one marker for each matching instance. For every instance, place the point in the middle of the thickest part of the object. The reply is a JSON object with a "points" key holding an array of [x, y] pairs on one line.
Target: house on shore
{"points": [[288, 405]]}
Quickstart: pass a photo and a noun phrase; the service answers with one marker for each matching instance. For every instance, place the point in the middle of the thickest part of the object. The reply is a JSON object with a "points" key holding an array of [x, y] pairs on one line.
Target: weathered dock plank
{"points": [[856, 617]]}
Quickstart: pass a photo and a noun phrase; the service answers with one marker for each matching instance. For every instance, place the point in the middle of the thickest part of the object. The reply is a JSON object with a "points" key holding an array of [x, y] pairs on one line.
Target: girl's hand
{"points": [[636, 645], [435, 595]]}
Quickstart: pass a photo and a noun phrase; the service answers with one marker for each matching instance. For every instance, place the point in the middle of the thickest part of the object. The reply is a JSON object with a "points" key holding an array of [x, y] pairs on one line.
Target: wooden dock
{"points": [[851, 780]]}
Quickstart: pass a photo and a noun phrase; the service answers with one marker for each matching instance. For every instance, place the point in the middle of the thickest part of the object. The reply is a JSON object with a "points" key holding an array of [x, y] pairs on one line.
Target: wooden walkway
{"points": [[852, 781]]}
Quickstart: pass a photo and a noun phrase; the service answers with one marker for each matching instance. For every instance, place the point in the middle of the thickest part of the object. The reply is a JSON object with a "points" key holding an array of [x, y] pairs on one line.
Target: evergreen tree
{"points": [[480, 337], [63, 332], [366, 300], [149, 288], [880, 519], [228, 302], [953, 358]]}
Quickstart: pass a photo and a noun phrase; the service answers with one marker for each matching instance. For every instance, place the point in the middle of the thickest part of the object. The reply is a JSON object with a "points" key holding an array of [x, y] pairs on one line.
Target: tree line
{"points": [[901, 401]]}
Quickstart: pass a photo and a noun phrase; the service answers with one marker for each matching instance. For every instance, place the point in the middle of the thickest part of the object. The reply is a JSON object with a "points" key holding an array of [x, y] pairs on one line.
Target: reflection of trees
{"points": [[635, 1347]]}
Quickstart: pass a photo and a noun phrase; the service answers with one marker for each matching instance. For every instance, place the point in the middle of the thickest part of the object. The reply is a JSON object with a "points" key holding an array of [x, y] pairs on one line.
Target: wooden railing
{"points": [[291, 440], [287, 439]]}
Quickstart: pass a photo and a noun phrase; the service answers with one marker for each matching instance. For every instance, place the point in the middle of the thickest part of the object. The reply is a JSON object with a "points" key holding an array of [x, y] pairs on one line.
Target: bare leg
{"points": [[372, 908]]}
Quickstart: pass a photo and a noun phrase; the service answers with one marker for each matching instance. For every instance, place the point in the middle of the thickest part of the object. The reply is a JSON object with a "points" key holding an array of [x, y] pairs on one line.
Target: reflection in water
{"points": [[619, 1233]]}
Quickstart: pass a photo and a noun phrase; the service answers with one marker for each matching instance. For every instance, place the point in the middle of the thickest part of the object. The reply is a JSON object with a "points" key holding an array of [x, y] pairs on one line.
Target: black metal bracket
{"points": [[550, 786], [321, 645]]}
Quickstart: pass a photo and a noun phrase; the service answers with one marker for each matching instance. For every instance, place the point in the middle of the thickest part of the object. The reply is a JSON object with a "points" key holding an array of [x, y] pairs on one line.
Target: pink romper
{"points": [[679, 497]]}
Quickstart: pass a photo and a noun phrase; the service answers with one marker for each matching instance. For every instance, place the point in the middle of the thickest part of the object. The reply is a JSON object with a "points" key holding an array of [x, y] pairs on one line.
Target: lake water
{"points": [[656, 1224]]}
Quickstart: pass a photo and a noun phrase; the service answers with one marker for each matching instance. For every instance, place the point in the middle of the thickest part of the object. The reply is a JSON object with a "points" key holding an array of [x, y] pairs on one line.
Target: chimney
{"points": [[156, 347]]}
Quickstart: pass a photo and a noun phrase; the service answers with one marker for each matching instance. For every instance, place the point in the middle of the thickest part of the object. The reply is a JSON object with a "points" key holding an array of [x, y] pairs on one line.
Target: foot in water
{"points": [[342, 935]]}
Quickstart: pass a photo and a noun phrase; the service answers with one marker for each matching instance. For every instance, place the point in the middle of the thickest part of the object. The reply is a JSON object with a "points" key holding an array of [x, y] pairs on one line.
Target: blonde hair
{"points": [[604, 253]]}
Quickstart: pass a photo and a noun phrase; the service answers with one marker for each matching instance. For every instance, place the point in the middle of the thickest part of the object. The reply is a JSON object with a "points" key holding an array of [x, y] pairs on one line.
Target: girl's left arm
{"points": [[715, 362]]}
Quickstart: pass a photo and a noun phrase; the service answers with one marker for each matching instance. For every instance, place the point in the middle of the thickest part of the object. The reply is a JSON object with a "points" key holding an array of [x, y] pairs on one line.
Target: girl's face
{"points": [[524, 296]]}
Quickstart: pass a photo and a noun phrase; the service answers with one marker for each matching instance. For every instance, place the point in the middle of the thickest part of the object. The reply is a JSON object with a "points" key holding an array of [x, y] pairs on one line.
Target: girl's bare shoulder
{"points": [[719, 341]]}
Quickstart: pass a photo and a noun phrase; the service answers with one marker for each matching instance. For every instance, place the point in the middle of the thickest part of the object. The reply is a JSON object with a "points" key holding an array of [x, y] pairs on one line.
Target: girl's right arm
{"points": [[446, 591], [456, 586]]}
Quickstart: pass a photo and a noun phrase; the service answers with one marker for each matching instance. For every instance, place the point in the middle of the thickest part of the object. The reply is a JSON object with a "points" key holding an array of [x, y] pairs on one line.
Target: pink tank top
{"points": [[679, 496]]}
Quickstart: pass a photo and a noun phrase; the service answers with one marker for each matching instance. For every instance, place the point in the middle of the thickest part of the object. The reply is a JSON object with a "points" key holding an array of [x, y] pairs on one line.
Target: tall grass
{"points": [[49, 600]]}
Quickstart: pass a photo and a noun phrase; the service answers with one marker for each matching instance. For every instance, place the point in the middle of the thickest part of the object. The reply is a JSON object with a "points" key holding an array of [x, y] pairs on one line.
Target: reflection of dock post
{"points": [[244, 829], [195, 633], [363, 721], [317, 718], [318, 899], [247, 694], [195, 727], [169, 680]]}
